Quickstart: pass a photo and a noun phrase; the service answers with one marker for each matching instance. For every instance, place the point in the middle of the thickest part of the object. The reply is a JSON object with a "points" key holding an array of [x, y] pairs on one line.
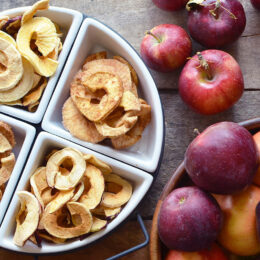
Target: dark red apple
{"points": [[256, 3], [170, 5], [213, 253], [211, 82], [165, 47], [189, 220], [222, 159], [215, 23]]}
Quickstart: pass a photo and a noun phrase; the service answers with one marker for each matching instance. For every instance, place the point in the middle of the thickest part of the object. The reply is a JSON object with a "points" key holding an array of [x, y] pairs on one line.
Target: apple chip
{"points": [[110, 66], [93, 178], [13, 103], [108, 82], [78, 125], [6, 130], [3, 21], [33, 107], [5, 36], [40, 5], [105, 212], [98, 224], [77, 210], [112, 200], [130, 101], [7, 165], [11, 69], [103, 167], [55, 177], [78, 191], [50, 238], [96, 56], [48, 195], [133, 73], [13, 25], [28, 217], [4, 144]]}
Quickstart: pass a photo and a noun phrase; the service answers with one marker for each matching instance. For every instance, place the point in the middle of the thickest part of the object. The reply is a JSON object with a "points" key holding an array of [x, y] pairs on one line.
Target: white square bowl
{"points": [[69, 21], [24, 136], [140, 180], [94, 36]]}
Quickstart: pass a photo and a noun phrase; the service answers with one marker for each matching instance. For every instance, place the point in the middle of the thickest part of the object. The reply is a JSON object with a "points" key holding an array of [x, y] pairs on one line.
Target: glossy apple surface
{"points": [[256, 3], [165, 47], [189, 220], [256, 138], [214, 88], [222, 159], [213, 253], [170, 5], [214, 27], [239, 233]]}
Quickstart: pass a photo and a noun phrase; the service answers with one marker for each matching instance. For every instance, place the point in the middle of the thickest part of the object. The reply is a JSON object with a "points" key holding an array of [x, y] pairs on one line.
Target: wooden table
{"points": [[131, 18]]}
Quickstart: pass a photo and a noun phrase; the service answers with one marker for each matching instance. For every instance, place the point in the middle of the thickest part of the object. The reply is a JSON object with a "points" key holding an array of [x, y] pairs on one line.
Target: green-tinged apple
{"points": [[211, 82], [222, 159], [165, 47], [189, 220]]}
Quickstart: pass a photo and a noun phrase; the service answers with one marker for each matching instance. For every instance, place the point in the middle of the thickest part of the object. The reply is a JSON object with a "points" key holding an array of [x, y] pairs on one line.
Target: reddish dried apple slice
{"points": [[112, 200], [27, 218], [94, 178]]}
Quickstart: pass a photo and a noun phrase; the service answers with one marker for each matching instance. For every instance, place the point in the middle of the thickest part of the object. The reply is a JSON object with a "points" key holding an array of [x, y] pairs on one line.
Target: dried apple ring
{"points": [[130, 101], [53, 173], [105, 168], [94, 178], [8, 38], [26, 225], [108, 82], [46, 41], [7, 165], [48, 195], [50, 238], [78, 125], [112, 200], [98, 224], [78, 191], [23, 86], [96, 56], [52, 226], [108, 213], [4, 144], [11, 65]]}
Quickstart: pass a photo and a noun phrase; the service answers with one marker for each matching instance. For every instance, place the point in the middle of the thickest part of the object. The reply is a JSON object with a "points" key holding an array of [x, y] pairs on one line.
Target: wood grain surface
{"points": [[131, 19]]}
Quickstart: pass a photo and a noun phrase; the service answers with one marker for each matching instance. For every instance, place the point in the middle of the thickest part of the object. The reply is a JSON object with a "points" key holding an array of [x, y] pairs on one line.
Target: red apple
{"points": [[222, 159], [170, 5], [215, 23], [189, 220], [213, 253], [256, 3], [211, 82], [166, 47]]}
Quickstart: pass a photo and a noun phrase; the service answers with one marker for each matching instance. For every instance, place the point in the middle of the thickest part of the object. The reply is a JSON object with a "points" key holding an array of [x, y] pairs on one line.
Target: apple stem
{"points": [[196, 131], [154, 36], [217, 6], [204, 64]]}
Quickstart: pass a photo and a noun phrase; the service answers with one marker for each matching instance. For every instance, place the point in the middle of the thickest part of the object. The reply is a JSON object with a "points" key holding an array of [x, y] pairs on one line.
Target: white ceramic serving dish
{"points": [[140, 180], [24, 136], [69, 22], [94, 36]]}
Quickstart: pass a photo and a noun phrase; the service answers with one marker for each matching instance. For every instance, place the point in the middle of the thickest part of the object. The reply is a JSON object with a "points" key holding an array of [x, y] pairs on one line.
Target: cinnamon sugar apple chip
{"points": [[78, 125], [108, 82], [23, 87], [102, 166], [133, 72], [110, 66], [54, 176], [40, 5], [35, 94], [130, 101], [26, 225], [11, 65], [114, 200], [53, 227], [7, 165], [93, 178], [46, 41], [7, 37], [96, 56], [7, 131], [4, 144]]}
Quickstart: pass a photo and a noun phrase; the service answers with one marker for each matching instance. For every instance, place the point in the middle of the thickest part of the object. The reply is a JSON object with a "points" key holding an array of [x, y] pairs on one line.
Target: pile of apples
{"points": [[211, 81], [223, 202]]}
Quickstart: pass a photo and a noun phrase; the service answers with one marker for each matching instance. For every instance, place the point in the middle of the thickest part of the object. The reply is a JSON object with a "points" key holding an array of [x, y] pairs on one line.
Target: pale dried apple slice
{"points": [[28, 217], [46, 41], [11, 66], [7, 166], [4, 144], [13, 103], [112, 200], [48, 195], [54, 176], [105, 212], [78, 125], [105, 168], [98, 224], [78, 191], [23, 87], [110, 83], [50, 238], [77, 210], [8, 38], [40, 5], [95, 181], [3, 20]]}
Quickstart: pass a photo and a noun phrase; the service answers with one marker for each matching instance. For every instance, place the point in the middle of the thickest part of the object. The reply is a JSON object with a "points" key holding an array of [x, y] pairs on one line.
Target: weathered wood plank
{"points": [[132, 18]]}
